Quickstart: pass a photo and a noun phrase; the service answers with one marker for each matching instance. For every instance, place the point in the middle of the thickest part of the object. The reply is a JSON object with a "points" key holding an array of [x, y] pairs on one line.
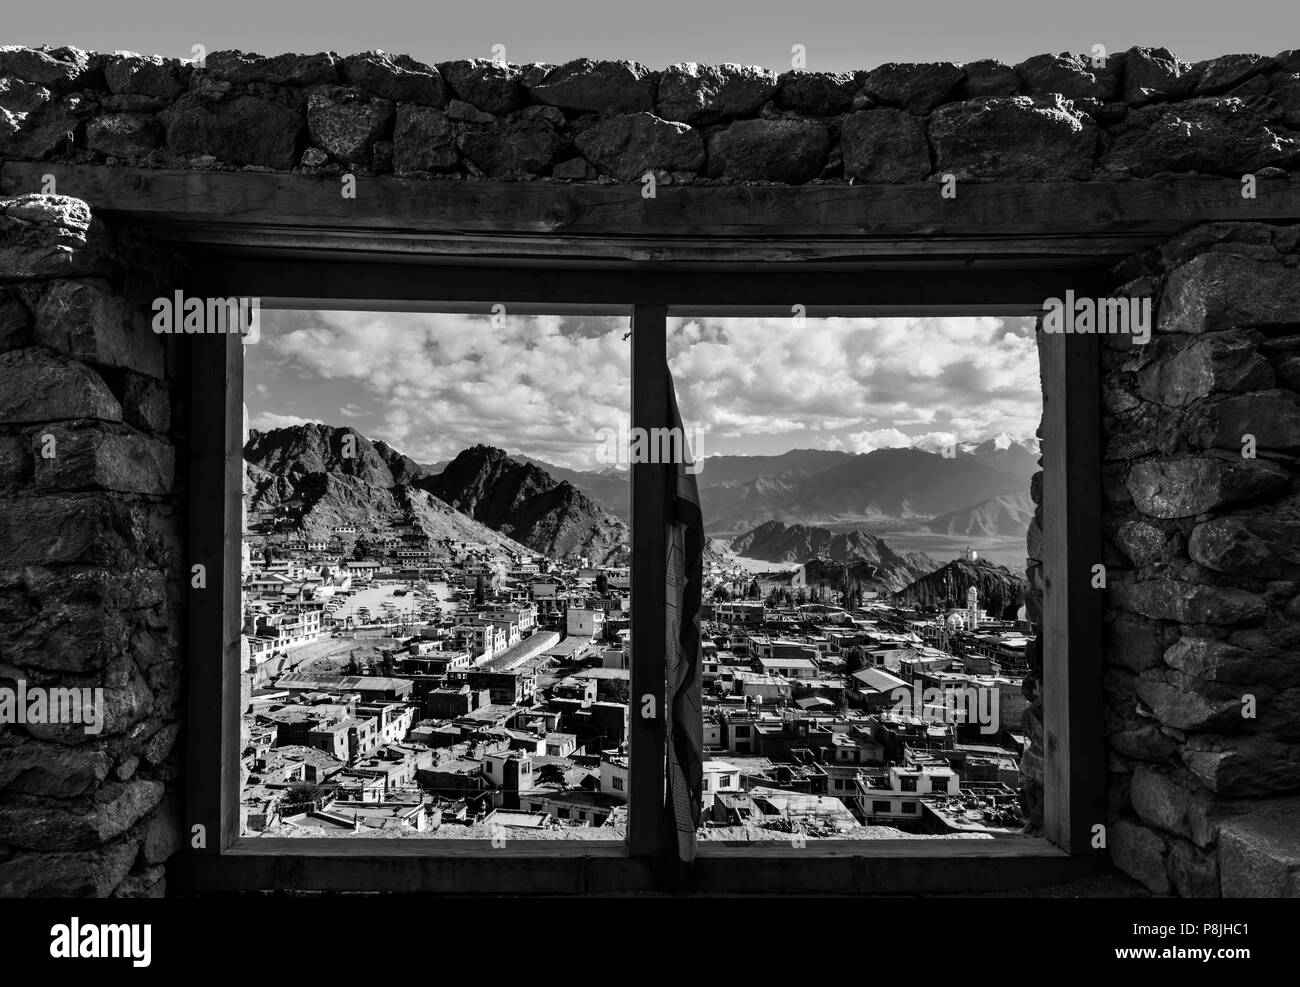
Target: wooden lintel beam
{"points": [[378, 286], [266, 201]]}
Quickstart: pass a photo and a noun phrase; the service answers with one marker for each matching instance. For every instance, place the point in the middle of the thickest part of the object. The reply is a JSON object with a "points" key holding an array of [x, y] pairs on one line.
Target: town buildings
{"points": [[447, 691]]}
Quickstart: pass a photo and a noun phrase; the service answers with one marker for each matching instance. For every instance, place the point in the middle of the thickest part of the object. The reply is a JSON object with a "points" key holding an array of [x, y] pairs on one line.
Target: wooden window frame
{"points": [[997, 248], [1074, 789]]}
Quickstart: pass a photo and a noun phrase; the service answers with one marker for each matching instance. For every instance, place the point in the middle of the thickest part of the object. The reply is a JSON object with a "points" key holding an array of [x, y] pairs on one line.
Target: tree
{"points": [[480, 593], [359, 552], [300, 798], [602, 583], [754, 591], [720, 593]]}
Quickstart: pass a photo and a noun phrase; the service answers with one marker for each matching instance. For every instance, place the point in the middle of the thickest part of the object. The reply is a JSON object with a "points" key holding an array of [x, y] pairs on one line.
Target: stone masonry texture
{"points": [[92, 420], [1202, 542], [1144, 113], [1202, 553]]}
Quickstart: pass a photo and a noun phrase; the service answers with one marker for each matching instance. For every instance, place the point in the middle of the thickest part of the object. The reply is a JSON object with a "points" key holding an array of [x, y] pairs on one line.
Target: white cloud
{"points": [[973, 376], [935, 441], [445, 381], [881, 438], [548, 385]]}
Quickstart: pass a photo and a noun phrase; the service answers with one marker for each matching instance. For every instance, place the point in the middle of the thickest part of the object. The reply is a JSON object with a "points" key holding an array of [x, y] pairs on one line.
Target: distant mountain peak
{"points": [[358, 483], [514, 495], [776, 541]]}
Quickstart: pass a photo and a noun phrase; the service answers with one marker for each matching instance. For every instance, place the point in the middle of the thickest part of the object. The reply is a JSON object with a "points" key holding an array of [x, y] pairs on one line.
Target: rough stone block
{"points": [[816, 93], [1152, 74], [987, 78], [1218, 135], [574, 170], [347, 123], [244, 130], [1193, 871], [15, 322], [52, 770], [1019, 137], [1184, 486], [15, 462], [97, 457], [1187, 603], [396, 77], [1248, 546], [1133, 643], [39, 824], [492, 86], [46, 236], [458, 109], [163, 836], [1210, 658], [1218, 75], [1243, 765], [147, 404], [1285, 92], [1071, 76], [157, 748], [243, 68], [884, 145], [1147, 544], [626, 147], [91, 529], [1220, 362], [1271, 418], [1175, 801], [124, 135], [697, 94], [1140, 853], [1143, 743], [917, 87], [1259, 853], [589, 86], [21, 98], [41, 133], [60, 69], [423, 140], [1187, 703], [789, 151], [64, 620], [145, 75], [37, 386], [91, 873], [86, 321], [525, 143]]}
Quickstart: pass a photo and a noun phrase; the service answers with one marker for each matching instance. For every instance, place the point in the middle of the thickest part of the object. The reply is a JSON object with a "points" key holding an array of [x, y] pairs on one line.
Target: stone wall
{"points": [[1202, 557], [1201, 519], [91, 539], [1052, 117], [1202, 526]]}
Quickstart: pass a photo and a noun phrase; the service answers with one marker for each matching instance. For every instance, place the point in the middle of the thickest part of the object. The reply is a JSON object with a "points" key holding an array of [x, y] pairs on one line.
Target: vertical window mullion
{"points": [[646, 714], [1074, 786]]}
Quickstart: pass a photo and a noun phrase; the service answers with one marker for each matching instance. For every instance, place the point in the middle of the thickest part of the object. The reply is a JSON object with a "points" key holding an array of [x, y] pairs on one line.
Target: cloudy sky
{"points": [[552, 387]]}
